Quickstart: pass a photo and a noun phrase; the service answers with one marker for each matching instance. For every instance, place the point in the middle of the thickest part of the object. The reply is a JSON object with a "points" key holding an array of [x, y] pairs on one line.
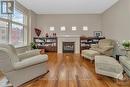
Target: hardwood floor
{"points": [[70, 70]]}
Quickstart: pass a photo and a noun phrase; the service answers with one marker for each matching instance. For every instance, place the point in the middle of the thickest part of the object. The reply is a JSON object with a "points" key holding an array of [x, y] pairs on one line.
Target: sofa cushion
{"points": [[31, 61], [105, 42], [89, 52]]}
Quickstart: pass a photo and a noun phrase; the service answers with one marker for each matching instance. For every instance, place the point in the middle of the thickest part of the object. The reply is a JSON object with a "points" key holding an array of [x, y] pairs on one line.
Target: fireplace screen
{"points": [[68, 47]]}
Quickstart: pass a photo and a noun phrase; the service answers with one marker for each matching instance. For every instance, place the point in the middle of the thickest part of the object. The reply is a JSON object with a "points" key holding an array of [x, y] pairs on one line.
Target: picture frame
{"points": [[97, 33]]}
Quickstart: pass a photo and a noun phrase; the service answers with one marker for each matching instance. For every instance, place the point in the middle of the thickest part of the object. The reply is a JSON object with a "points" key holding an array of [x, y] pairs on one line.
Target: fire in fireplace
{"points": [[68, 47]]}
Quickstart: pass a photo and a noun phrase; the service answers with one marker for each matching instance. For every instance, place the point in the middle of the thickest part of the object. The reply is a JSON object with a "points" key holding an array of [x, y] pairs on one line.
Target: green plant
{"points": [[126, 44], [33, 45]]}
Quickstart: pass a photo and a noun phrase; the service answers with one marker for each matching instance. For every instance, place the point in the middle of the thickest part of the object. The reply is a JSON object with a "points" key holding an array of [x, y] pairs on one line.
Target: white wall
{"points": [[116, 21], [93, 22]]}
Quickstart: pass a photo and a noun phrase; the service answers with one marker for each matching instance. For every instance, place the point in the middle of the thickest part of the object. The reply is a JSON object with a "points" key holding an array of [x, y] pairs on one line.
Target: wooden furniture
{"points": [[86, 42], [47, 43]]}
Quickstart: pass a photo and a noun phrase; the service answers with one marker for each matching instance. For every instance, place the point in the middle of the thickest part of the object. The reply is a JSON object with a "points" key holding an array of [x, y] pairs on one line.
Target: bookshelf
{"points": [[47, 43], [86, 42]]}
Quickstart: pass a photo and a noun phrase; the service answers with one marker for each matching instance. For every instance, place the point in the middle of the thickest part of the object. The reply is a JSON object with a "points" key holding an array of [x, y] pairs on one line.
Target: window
{"points": [[13, 29], [63, 28], [18, 17], [3, 31], [74, 28], [17, 31], [16, 35], [85, 28], [52, 28], [3, 15]]}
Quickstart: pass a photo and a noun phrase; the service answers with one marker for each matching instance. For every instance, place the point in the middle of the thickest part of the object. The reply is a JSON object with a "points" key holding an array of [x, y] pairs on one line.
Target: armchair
{"points": [[104, 47], [23, 67]]}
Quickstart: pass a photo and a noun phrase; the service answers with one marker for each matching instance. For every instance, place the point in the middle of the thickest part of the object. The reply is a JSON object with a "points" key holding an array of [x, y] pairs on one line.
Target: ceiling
{"points": [[68, 6]]}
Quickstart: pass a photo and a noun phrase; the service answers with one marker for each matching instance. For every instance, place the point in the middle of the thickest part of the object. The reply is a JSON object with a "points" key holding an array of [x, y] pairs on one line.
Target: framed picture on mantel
{"points": [[97, 33]]}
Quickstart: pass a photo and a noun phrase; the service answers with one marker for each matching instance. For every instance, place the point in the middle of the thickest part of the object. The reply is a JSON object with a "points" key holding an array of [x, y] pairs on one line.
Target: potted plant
{"points": [[126, 44], [33, 45]]}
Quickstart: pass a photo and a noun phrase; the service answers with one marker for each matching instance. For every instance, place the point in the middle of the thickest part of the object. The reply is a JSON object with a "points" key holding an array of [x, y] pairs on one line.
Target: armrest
{"points": [[104, 49], [28, 54], [34, 52], [31, 61], [107, 48], [94, 45]]}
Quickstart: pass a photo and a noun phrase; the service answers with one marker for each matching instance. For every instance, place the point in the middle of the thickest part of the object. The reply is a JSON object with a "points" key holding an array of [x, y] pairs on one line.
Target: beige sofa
{"points": [[21, 68], [104, 47]]}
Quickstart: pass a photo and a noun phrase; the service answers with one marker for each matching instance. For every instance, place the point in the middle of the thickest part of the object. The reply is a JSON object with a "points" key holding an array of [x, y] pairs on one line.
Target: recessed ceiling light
{"points": [[62, 28], [85, 28], [74, 28], [52, 28]]}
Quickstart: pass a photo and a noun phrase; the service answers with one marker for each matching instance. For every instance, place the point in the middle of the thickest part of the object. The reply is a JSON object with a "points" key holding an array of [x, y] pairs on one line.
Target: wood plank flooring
{"points": [[70, 70]]}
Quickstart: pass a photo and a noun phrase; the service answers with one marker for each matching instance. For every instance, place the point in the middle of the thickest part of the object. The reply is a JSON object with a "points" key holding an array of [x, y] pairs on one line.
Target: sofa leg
{"points": [[124, 82], [82, 57], [92, 61], [121, 82]]}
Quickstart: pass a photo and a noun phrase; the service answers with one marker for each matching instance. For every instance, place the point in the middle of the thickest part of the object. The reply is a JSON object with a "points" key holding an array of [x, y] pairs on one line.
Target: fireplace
{"points": [[68, 47], [68, 38]]}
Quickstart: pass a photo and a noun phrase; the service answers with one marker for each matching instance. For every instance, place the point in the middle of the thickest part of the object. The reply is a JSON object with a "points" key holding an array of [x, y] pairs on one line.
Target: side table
{"points": [[118, 56]]}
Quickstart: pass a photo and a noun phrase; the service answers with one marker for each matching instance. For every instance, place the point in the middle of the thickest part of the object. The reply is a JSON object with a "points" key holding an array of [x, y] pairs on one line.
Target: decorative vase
{"points": [[42, 51], [46, 34]]}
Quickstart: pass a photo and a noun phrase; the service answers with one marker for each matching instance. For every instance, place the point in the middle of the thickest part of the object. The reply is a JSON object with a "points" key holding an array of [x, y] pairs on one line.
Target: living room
{"points": [[64, 43]]}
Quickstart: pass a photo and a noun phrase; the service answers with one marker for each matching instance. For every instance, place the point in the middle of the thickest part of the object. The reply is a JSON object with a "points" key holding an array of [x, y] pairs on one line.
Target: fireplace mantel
{"points": [[69, 38]]}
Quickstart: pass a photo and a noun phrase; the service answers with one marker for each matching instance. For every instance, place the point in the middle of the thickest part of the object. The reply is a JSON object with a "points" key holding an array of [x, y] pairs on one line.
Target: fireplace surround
{"points": [[68, 38]]}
